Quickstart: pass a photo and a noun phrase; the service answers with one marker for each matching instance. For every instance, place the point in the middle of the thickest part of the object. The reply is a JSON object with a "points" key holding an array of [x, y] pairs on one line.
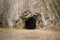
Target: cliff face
{"points": [[16, 12]]}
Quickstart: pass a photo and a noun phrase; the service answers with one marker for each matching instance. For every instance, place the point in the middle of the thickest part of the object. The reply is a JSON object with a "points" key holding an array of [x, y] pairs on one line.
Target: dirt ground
{"points": [[39, 34]]}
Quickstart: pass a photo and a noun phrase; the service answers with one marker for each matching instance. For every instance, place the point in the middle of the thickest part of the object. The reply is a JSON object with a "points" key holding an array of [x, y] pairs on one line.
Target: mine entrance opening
{"points": [[30, 23]]}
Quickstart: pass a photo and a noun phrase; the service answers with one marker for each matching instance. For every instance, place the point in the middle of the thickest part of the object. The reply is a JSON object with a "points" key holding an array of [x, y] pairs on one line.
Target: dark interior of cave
{"points": [[1, 25], [30, 23]]}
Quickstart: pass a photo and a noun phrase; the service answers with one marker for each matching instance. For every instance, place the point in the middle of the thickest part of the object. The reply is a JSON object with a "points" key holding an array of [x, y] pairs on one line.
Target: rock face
{"points": [[17, 12]]}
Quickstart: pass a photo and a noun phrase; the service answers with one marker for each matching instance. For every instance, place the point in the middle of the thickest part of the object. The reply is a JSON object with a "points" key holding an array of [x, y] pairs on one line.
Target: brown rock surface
{"points": [[45, 12]]}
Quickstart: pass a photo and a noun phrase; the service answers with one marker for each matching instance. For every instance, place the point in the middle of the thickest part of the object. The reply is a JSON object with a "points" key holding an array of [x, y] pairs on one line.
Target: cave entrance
{"points": [[30, 23]]}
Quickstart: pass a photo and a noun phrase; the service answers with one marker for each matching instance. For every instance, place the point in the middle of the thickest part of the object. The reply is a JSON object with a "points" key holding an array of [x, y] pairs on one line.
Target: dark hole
{"points": [[1, 25], [30, 23]]}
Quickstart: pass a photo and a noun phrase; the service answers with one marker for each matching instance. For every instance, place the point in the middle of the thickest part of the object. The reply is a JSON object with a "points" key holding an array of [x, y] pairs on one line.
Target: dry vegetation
{"points": [[40, 34]]}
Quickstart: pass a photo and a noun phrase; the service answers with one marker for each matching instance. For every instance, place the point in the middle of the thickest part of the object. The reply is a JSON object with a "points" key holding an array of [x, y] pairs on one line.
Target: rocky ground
{"points": [[37, 34]]}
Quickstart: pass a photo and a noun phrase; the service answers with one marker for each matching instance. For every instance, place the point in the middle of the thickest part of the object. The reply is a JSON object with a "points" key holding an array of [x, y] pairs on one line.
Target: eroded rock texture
{"points": [[16, 12]]}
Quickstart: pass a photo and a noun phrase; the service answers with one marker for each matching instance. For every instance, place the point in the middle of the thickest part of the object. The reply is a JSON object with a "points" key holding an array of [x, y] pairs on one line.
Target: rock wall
{"points": [[15, 12]]}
